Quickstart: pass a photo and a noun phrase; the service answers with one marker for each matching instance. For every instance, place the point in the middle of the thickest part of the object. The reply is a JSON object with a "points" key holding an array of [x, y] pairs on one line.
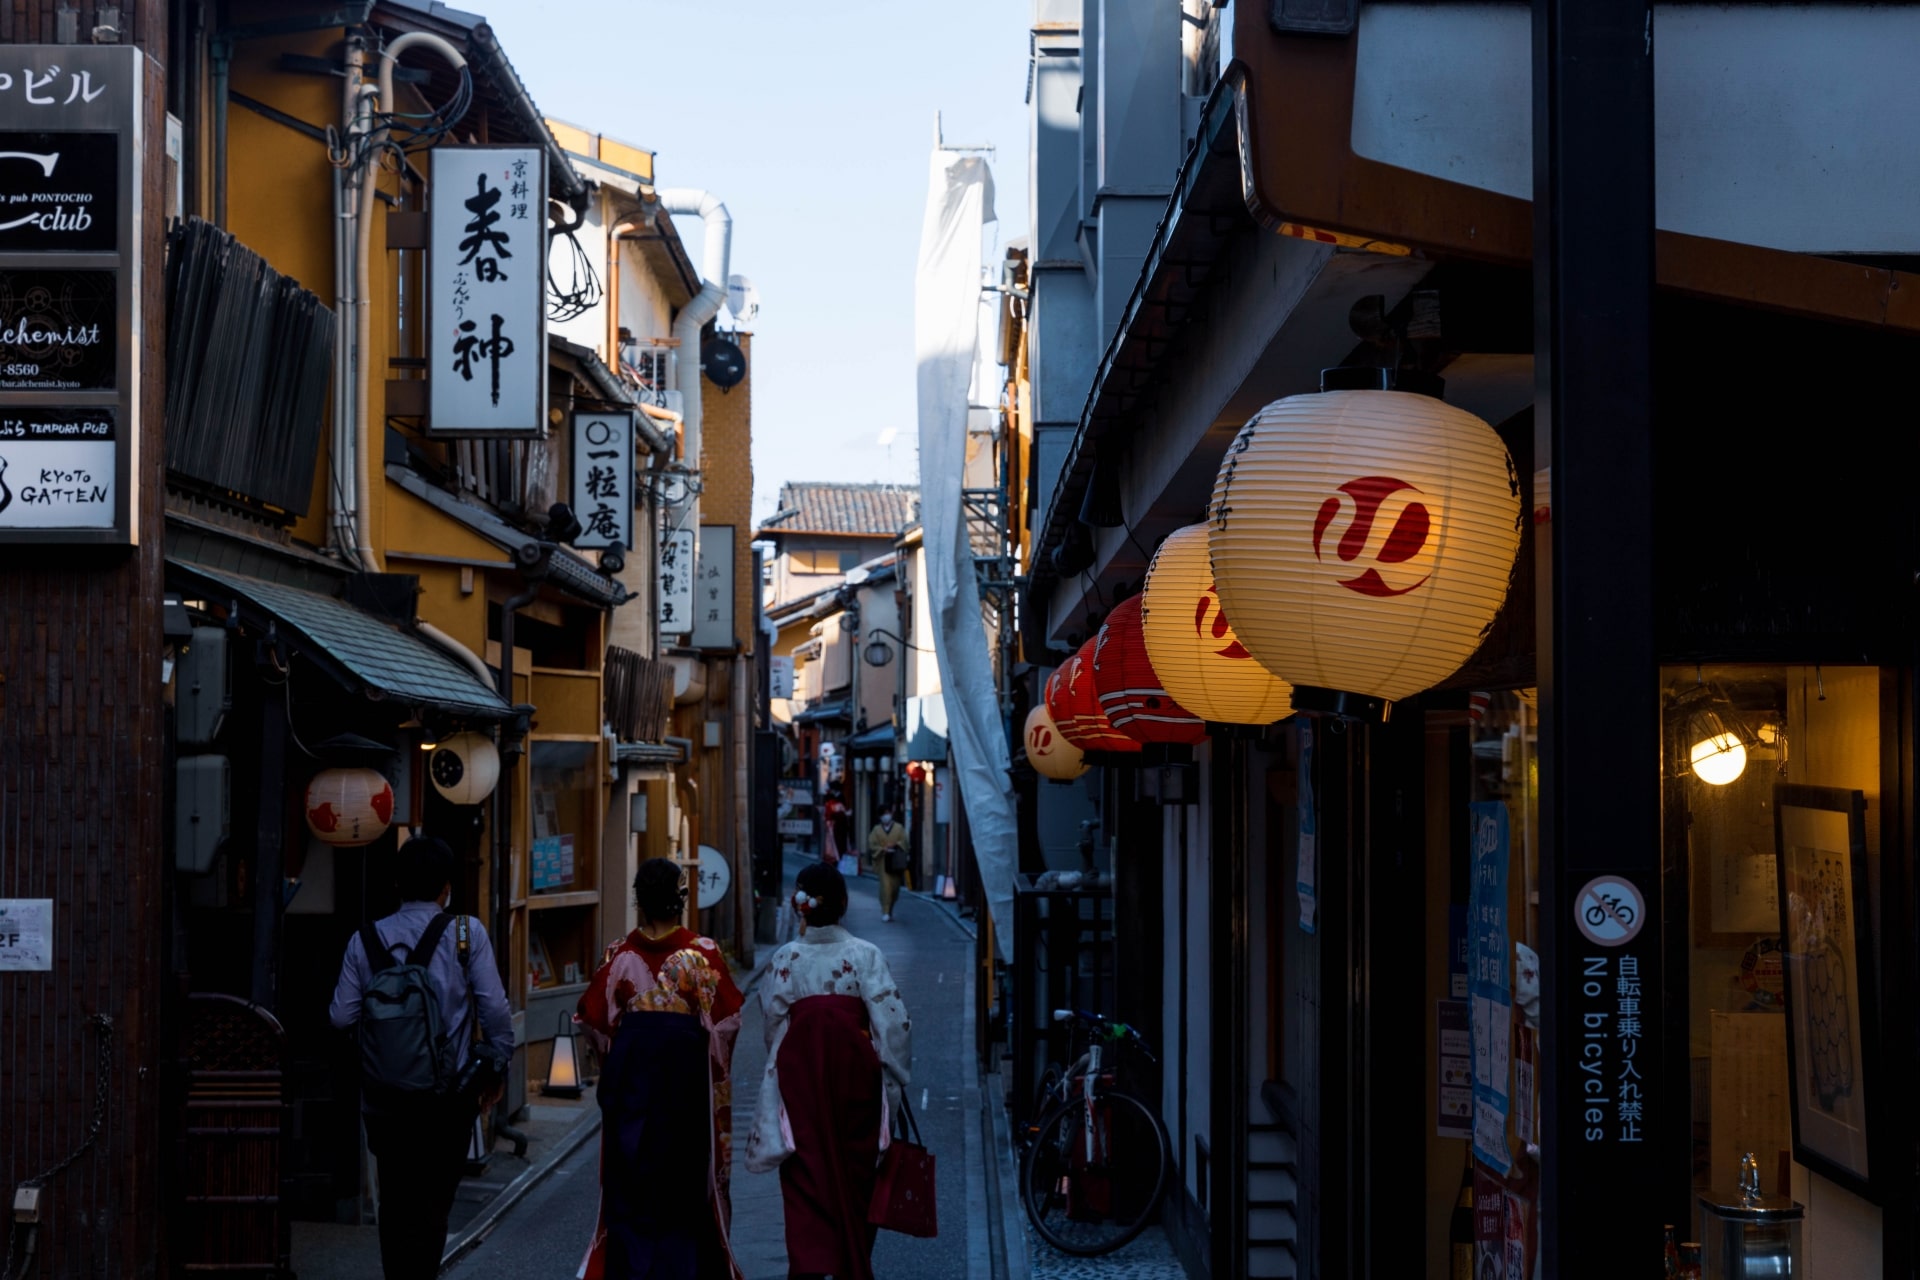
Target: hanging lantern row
{"points": [[349, 807], [1362, 542], [1074, 704], [1193, 649], [1131, 694], [1048, 750]]}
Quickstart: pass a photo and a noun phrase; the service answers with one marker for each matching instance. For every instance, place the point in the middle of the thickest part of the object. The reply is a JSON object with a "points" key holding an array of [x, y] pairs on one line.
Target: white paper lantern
{"points": [[1048, 750], [1363, 541], [465, 768], [1194, 650], [349, 807]]}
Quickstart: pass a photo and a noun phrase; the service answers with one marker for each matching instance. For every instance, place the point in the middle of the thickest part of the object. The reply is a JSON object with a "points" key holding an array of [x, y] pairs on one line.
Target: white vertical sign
{"points": [[603, 479], [713, 589], [676, 582], [486, 292]]}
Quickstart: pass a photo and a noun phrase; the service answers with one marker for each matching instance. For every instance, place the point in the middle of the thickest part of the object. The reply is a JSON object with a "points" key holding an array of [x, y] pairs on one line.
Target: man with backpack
{"points": [[421, 990]]}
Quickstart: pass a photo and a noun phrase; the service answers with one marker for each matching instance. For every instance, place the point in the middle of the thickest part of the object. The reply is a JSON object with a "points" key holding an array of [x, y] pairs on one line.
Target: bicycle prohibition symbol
{"points": [[1609, 911], [1095, 1165]]}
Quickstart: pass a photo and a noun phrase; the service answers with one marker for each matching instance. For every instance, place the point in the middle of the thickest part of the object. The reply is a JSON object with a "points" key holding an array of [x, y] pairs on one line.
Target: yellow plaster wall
{"points": [[727, 474]]}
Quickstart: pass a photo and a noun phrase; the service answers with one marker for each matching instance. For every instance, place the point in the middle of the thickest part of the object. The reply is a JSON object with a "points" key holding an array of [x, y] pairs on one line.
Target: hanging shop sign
{"points": [[675, 582], [1130, 692], [1048, 750], [1363, 542], [1193, 648], [603, 480], [713, 588], [486, 303], [70, 287], [714, 876]]}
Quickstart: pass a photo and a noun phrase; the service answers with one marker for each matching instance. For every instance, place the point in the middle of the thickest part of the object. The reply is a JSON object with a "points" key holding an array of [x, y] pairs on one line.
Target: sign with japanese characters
{"points": [[675, 582], [26, 934], [70, 271], [486, 292], [1489, 987], [603, 479], [713, 589], [714, 877]]}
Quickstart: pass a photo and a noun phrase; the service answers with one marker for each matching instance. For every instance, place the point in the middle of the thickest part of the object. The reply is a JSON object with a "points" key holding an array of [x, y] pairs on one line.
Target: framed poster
{"points": [[1832, 1014]]}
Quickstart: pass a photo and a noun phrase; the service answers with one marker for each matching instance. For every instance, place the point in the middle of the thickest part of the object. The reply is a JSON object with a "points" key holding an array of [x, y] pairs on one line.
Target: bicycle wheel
{"points": [[1044, 1098], [1088, 1194]]}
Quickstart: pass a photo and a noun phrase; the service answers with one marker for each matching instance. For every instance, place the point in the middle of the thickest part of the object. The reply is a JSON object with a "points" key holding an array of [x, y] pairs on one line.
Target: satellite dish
{"points": [[742, 299], [722, 360]]}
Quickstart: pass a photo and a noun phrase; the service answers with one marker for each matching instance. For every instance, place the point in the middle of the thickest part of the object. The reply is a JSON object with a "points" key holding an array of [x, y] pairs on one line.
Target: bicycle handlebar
{"points": [[1119, 1030]]}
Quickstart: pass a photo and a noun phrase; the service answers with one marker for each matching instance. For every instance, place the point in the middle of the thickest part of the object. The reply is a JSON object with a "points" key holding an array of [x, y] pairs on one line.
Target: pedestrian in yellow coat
{"points": [[887, 846]]}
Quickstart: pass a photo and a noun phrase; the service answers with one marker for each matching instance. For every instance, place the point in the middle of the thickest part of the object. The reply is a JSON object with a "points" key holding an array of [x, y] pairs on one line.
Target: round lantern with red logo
{"points": [[1048, 750], [1074, 704], [1130, 692], [1194, 651], [1362, 542], [349, 807]]}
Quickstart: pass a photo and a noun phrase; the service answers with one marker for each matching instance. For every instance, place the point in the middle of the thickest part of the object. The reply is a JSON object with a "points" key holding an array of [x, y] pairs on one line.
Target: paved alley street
{"points": [[544, 1236]]}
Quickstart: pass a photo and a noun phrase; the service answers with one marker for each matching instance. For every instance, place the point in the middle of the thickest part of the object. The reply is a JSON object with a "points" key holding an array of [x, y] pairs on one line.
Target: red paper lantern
{"points": [[349, 807], [1074, 705], [1131, 696]]}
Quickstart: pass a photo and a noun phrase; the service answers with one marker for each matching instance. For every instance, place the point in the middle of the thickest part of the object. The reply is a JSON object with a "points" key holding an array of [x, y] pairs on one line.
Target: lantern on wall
{"points": [[1075, 706], [1131, 694], [465, 768], [1048, 750], [349, 807], [1195, 653], [1362, 542]]}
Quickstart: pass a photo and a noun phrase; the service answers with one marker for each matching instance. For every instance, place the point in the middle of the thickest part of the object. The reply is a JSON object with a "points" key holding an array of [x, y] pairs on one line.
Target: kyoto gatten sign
{"points": [[70, 219]]}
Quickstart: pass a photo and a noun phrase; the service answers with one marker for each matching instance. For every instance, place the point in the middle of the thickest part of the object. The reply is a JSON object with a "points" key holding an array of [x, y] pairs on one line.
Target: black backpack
{"points": [[404, 1045]]}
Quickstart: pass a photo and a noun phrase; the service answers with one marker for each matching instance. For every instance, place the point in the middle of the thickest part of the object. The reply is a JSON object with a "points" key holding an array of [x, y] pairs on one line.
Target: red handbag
{"points": [[903, 1191]]}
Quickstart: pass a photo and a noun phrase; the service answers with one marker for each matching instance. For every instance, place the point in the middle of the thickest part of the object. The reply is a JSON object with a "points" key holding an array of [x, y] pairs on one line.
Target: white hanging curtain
{"points": [[946, 326]]}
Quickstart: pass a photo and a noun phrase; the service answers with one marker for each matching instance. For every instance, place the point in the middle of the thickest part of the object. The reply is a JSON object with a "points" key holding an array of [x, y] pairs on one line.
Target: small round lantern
{"points": [[1048, 750], [1075, 706], [465, 768], [1130, 692], [1362, 542], [1195, 653], [349, 807]]}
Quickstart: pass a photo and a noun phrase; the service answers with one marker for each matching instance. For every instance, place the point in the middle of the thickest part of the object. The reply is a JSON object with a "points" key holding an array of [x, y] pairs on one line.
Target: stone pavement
{"points": [[930, 953]]}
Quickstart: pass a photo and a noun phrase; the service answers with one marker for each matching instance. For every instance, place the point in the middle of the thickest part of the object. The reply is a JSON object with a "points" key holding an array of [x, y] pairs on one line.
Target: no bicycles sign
{"points": [[1610, 911]]}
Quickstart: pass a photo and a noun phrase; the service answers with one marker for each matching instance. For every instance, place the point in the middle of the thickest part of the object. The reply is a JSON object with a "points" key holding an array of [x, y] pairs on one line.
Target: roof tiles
{"points": [[823, 507]]}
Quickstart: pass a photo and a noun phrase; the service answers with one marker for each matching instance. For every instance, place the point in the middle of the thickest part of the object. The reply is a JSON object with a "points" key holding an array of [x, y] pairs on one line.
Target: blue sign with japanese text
{"points": [[1489, 986]]}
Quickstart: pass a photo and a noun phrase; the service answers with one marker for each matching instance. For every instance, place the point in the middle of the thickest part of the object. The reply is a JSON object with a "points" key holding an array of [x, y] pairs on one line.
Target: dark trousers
{"points": [[421, 1154]]}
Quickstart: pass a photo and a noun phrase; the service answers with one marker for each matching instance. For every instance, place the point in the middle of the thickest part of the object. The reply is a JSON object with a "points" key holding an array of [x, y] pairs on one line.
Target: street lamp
{"points": [[879, 653]]}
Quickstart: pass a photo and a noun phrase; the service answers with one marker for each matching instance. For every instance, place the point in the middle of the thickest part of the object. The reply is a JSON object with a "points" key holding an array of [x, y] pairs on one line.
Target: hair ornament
{"points": [[804, 900]]}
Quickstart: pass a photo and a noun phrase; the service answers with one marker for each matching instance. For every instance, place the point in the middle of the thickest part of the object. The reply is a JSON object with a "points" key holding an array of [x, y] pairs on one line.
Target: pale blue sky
{"points": [[814, 123]]}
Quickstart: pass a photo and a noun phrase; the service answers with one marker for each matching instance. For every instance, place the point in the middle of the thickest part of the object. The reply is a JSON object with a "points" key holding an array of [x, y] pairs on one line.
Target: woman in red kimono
{"points": [[663, 1013]]}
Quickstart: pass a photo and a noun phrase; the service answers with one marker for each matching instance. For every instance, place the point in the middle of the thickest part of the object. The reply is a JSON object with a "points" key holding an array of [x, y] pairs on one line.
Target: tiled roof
{"points": [[823, 507], [380, 656]]}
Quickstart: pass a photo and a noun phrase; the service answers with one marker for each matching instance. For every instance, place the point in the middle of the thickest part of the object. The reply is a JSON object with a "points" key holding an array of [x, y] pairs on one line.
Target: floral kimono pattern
{"points": [[678, 974]]}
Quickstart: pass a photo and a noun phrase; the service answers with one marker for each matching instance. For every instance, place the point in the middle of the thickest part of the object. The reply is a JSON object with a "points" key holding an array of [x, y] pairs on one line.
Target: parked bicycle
{"points": [[1095, 1165]]}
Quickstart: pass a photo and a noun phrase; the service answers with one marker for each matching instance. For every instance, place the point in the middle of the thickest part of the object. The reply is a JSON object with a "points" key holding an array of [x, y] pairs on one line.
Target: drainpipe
{"points": [[222, 51], [455, 650], [363, 288], [613, 289], [693, 317]]}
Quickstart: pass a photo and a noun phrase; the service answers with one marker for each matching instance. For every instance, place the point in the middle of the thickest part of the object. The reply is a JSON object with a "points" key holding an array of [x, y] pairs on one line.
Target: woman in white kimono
{"points": [[838, 1059]]}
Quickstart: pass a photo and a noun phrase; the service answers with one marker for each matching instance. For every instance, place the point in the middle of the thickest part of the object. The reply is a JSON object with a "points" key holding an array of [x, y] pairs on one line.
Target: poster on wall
{"points": [[486, 292], [70, 342], [26, 935], [603, 484], [1488, 983], [1454, 1082]]}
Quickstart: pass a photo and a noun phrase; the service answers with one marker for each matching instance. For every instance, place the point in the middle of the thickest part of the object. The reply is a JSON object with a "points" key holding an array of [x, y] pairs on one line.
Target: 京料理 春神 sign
{"points": [[486, 292], [70, 272]]}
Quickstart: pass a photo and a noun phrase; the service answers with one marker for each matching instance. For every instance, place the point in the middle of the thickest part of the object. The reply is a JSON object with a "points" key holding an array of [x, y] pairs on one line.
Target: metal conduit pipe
{"points": [[454, 649], [363, 286], [715, 255]]}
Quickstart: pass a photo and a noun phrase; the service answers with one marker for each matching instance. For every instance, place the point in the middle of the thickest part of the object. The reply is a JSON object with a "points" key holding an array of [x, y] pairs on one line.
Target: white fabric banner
{"points": [[946, 327]]}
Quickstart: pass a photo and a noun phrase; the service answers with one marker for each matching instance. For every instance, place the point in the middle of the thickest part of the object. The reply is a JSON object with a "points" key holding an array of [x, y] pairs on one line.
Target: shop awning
{"points": [[842, 710], [360, 650], [879, 739]]}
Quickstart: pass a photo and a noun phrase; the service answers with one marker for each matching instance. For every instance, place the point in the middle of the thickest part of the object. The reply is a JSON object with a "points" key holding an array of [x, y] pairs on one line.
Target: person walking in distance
{"points": [[888, 847], [421, 990], [839, 1053], [663, 1013]]}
